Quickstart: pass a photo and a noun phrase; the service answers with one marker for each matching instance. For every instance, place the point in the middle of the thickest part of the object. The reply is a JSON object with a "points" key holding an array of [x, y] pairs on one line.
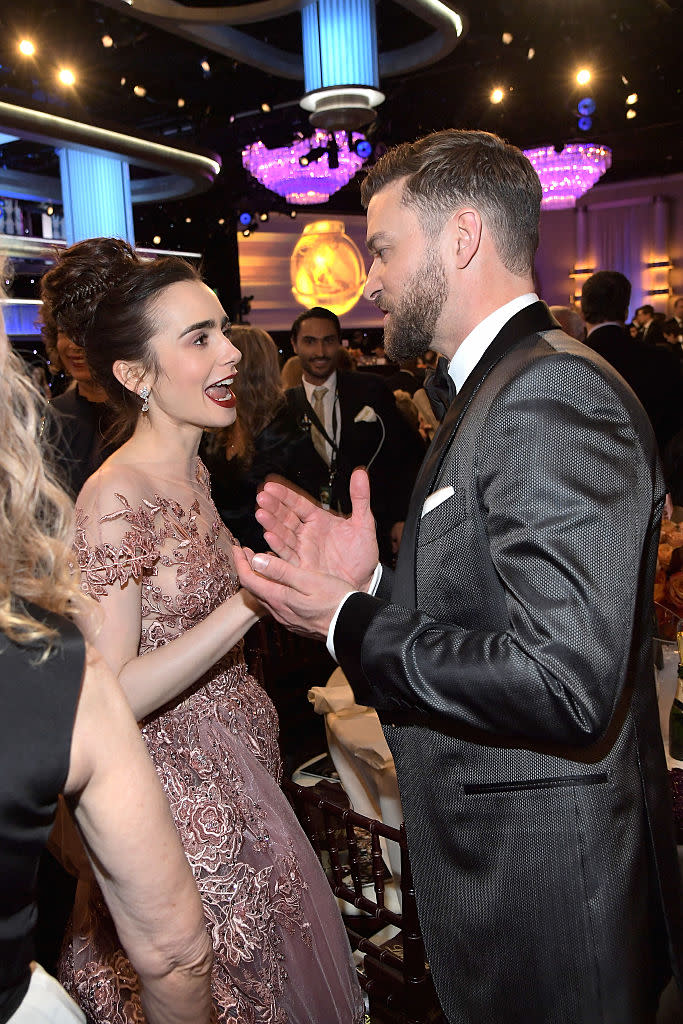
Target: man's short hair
{"points": [[605, 297], [647, 310], [315, 313], [453, 168]]}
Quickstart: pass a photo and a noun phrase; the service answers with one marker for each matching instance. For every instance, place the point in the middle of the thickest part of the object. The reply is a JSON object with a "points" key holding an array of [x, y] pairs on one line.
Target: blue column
{"points": [[96, 195], [340, 44]]}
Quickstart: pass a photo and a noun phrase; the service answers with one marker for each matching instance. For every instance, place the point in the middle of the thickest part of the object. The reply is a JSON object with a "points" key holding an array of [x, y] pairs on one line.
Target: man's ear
{"points": [[464, 229], [128, 374]]}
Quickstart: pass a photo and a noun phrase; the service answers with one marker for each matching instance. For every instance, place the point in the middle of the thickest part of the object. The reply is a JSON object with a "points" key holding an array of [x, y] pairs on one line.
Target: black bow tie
{"points": [[440, 389]]}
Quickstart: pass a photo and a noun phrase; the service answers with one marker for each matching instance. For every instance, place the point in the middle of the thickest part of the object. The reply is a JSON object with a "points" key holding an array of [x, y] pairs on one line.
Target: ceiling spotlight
{"points": [[245, 218], [631, 99], [231, 119], [586, 106], [205, 66], [188, 220], [583, 76], [107, 41], [123, 81], [26, 48], [496, 95], [157, 239], [362, 148], [263, 217], [246, 233], [585, 124], [624, 80], [50, 210], [66, 76], [181, 101], [266, 108], [507, 38], [631, 113], [531, 53], [221, 220], [292, 214], [139, 90]]}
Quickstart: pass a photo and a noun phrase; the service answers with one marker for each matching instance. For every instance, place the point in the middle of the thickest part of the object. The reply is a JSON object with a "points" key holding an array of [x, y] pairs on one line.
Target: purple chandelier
{"points": [[280, 169], [567, 175]]}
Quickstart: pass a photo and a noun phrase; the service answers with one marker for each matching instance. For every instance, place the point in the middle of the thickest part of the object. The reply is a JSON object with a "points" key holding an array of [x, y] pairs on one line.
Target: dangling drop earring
{"points": [[144, 395]]}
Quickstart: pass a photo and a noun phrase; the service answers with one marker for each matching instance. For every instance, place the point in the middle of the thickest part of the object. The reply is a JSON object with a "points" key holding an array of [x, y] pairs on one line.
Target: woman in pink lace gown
{"points": [[169, 616]]}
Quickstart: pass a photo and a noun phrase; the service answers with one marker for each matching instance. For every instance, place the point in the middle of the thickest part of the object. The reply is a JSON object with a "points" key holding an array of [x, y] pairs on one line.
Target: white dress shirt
{"points": [[466, 357], [328, 407]]}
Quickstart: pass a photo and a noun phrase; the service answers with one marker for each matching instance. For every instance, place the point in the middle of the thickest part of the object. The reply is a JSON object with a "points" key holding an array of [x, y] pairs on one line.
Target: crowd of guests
{"points": [[152, 384]]}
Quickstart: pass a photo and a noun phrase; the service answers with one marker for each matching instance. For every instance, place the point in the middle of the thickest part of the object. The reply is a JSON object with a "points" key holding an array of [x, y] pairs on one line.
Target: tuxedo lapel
{"points": [[531, 320]]}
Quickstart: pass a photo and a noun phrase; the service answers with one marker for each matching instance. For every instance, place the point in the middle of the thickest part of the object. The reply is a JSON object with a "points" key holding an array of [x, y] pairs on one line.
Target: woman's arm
{"points": [[113, 551], [133, 846], [151, 680]]}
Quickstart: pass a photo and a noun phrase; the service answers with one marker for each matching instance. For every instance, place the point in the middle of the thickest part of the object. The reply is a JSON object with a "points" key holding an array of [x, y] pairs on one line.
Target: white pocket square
{"points": [[435, 499]]}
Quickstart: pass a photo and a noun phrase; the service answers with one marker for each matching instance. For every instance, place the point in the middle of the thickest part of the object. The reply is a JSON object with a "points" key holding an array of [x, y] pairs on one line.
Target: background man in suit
{"points": [[652, 371], [650, 327], [346, 420], [509, 654]]}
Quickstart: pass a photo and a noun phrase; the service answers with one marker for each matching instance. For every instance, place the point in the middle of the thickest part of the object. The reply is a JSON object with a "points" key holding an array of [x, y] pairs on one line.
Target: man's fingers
{"points": [[292, 498], [281, 572], [359, 492], [278, 519]]}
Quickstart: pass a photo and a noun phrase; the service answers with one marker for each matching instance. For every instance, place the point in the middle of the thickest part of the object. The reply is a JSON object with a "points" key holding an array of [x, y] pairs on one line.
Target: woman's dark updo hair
{"points": [[101, 294]]}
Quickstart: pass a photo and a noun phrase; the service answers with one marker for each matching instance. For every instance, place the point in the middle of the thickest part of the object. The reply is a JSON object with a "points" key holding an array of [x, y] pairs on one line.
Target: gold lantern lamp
{"points": [[326, 268]]}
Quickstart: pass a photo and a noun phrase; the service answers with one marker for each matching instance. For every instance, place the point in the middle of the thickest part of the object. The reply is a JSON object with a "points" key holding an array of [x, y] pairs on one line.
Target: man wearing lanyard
{"points": [[346, 420]]}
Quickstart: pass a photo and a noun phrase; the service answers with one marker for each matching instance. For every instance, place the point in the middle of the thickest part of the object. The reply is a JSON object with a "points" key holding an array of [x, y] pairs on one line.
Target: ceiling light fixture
{"points": [[632, 98], [26, 48], [139, 90], [107, 42], [304, 172], [567, 175], [66, 76], [583, 76], [497, 95]]}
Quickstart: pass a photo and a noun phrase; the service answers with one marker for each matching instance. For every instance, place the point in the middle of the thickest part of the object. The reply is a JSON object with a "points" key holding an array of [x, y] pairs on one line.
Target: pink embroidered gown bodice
{"points": [[281, 955]]}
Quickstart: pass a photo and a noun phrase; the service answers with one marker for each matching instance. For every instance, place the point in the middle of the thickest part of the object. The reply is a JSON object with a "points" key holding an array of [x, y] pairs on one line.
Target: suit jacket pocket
{"points": [[443, 518], [514, 786]]}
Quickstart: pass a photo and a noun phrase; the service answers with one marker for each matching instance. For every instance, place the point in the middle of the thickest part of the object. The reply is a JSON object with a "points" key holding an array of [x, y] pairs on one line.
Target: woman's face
{"points": [[196, 358], [73, 359]]}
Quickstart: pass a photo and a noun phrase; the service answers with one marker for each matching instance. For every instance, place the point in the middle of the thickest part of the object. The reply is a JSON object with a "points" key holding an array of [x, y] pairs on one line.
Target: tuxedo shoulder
{"points": [[565, 371]]}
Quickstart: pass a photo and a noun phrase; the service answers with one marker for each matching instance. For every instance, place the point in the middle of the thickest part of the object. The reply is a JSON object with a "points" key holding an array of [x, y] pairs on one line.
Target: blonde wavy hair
{"points": [[36, 515]]}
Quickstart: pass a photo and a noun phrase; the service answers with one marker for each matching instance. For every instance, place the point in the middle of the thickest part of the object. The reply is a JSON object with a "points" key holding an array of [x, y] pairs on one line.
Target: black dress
{"points": [[78, 430], [39, 701]]}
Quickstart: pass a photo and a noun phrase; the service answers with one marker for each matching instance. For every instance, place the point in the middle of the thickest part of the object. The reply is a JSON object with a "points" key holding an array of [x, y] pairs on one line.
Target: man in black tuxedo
{"points": [[346, 420], [649, 327], [652, 371], [509, 655]]}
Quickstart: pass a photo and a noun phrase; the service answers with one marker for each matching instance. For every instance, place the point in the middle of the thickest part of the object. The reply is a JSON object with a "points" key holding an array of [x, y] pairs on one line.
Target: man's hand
{"points": [[309, 537], [301, 600]]}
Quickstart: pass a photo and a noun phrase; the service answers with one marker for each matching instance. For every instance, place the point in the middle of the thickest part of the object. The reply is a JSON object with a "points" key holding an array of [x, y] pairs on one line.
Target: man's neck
{"points": [[315, 383]]}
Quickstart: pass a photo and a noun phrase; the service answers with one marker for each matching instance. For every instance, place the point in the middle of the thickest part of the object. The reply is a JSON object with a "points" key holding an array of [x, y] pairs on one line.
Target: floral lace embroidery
{"points": [[201, 745]]}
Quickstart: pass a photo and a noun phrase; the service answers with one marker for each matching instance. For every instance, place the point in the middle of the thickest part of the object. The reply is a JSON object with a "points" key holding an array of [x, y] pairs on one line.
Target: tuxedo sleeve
{"points": [[568, 498]]}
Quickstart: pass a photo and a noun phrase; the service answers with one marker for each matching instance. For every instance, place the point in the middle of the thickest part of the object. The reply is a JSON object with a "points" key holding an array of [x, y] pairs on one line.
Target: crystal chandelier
{"points": [[281, 170], [567, 175]]}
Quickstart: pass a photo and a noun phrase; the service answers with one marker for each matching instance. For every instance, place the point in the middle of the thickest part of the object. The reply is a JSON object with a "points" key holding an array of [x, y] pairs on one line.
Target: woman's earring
{"points": [[144, 395]]}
